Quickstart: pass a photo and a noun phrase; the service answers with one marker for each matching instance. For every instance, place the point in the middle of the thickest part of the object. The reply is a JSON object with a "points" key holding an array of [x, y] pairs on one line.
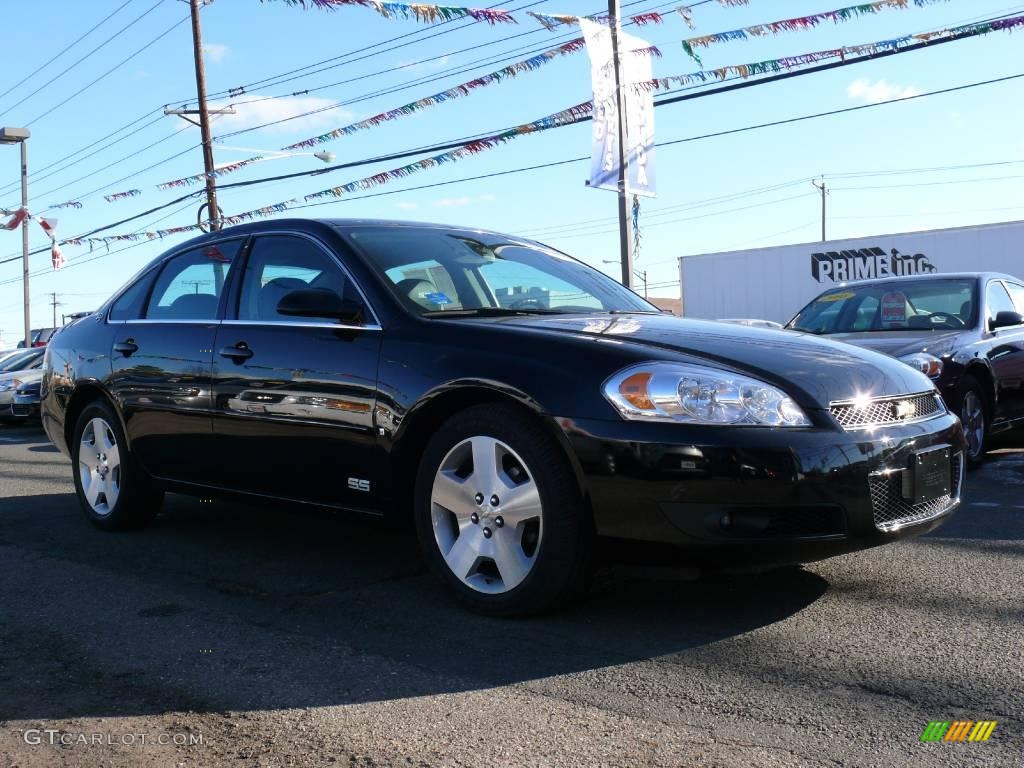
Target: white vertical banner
{"points": [[634, 68]]}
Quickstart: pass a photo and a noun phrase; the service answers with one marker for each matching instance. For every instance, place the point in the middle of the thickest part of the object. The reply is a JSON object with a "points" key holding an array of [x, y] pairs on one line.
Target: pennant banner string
{"points": [[565, 117], [458, 91], [791, 62], [122, 195], [798, 23], [414, 11]]}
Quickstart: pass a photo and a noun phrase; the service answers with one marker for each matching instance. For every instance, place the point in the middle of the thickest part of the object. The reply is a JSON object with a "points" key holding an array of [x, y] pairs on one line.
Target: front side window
{"points": [[928, 305], [436, 271], [1017, 294], [280, 264], [998, 300], [190, 284]]}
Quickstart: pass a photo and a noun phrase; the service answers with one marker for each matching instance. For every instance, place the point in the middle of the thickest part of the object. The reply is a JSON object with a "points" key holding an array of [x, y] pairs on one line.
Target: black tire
{"points": [[137, 503], [972, 394], [562, 556]]}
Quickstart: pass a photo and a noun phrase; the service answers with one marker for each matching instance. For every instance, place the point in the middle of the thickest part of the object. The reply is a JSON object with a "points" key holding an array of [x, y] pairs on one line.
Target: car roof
{"points": [[932, 276], [311, 225]]}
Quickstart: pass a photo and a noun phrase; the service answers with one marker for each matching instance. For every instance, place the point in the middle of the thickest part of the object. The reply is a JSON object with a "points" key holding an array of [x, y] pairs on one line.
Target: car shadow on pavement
{"points": [[221, 607]]}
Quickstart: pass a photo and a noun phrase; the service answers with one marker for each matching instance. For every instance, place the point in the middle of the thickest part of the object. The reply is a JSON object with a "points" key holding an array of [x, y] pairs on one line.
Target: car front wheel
{"points": [[113, 492], [974, 417], [498, 513]]}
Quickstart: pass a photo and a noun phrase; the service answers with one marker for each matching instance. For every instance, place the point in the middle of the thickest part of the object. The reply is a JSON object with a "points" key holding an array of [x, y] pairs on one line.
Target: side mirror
{"points": [[320, 302], [1005, 319]]}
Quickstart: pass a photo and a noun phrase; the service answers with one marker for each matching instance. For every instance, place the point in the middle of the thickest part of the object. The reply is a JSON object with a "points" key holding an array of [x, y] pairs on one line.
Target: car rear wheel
{"points": [[113, 492], [974, 418], [498, 513]]}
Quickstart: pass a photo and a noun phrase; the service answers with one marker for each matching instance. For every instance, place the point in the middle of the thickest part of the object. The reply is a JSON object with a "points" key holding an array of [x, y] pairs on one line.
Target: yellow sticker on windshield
{"points": [[838, 296]]}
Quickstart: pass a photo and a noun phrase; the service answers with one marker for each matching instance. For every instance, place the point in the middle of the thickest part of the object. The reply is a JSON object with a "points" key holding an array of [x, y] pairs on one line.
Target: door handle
{"points": [[238, 352], [126, 347]]}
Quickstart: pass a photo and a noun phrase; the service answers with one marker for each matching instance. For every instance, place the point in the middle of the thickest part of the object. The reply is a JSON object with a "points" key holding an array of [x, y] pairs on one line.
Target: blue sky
{"points": [[249, 41]]}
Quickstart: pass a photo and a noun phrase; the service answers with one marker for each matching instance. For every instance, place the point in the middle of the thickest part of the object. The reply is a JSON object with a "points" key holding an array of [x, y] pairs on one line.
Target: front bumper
{"points": [[25, 405], [747, 495]]}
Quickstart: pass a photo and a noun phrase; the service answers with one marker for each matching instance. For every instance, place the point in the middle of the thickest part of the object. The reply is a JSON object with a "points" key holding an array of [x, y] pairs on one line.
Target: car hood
{"points": [[897, 343], [812, 369]]}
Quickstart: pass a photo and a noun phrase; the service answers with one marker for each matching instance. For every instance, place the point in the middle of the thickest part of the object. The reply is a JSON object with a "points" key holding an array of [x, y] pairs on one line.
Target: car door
{"points": [[294, 396], [162, 357], [1005, 355]]}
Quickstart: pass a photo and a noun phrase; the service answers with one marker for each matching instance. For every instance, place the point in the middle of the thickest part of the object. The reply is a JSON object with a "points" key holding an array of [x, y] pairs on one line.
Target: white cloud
{"points": [[406, 206], [216, 52], [863, 89], [272, 110], [459, 202], [426, 66], [452, 202]]}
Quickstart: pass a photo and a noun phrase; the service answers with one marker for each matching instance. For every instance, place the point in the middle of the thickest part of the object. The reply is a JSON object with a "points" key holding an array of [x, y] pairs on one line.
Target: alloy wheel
{"points": [[99, 466], [485, 510], [972, 415]]}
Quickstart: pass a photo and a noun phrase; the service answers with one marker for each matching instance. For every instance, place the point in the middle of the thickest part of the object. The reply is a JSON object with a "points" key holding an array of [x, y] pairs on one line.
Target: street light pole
{"points": [[625, 250], [21, 136], [24, 242]]}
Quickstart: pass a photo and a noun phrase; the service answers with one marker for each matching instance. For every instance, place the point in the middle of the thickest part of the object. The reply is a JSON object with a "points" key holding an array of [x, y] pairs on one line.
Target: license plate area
{"points": [[930, 476]]}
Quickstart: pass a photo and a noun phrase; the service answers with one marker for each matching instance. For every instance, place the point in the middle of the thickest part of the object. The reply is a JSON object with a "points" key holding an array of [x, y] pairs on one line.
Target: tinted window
{"points": [[998, 300], [190, 284], [129, 305], [896, 306], [280, 264], [434, 270], [1017, 294]]}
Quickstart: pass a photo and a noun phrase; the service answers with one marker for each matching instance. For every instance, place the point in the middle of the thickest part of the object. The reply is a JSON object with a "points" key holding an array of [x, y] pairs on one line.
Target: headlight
{"points": [[692, 394], [929, 365]]}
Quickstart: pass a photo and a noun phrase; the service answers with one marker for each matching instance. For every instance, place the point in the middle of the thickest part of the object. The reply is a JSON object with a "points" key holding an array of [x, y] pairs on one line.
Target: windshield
{"points": [[18, 361], [916, 305], [435, 272]]}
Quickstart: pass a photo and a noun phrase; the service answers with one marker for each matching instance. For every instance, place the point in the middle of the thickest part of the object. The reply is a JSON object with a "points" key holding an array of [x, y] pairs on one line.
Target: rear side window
{"points": [[190, 285], [129, 305]]}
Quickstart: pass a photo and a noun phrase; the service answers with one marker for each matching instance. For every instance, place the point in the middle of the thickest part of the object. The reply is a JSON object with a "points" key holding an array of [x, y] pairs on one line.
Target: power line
{"points": [[65, 49], [54, 79], [109, 72], [748, 83]]}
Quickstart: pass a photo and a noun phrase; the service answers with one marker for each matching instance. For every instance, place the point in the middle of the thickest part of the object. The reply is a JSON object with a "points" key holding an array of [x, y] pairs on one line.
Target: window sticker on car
{"points": [[838, 296], [436, 298], [894, 310]]}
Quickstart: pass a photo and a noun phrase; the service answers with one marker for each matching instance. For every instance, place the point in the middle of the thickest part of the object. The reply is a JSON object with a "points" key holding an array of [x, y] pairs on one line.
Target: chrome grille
{"points": [[892, 511], [886, 410]]}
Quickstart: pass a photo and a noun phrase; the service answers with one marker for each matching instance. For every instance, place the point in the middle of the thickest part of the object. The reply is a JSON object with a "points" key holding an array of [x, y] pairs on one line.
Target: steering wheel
{"points": [[526, 304], [950, 321]]}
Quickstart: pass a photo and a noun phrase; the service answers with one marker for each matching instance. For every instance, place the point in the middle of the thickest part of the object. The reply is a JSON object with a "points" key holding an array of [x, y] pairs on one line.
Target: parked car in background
{"points": [[40, 337], [508, 402], [15, 371], [965, 331], [27, 397]]}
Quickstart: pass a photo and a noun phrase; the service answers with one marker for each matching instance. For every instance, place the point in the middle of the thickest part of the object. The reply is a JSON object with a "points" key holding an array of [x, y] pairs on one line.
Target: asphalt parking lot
{"points": [[280, 637]]}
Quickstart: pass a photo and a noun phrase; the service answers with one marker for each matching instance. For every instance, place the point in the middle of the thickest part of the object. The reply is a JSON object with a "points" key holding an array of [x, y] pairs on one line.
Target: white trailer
{"points": [[774, 283]]}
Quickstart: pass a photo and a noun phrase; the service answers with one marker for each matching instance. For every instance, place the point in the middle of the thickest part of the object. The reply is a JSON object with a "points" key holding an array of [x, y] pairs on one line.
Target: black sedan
{"points": [[964, 331], [505, 400]]}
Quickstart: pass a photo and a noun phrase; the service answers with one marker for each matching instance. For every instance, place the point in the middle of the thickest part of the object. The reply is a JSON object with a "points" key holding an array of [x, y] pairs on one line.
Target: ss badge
{"points": [[356, 484]]}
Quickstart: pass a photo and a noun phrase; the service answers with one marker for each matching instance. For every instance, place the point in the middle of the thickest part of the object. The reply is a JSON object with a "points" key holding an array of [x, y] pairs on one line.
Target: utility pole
{"points": [[204, 112], [55, 303], [824, 192], [625, 248]]}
